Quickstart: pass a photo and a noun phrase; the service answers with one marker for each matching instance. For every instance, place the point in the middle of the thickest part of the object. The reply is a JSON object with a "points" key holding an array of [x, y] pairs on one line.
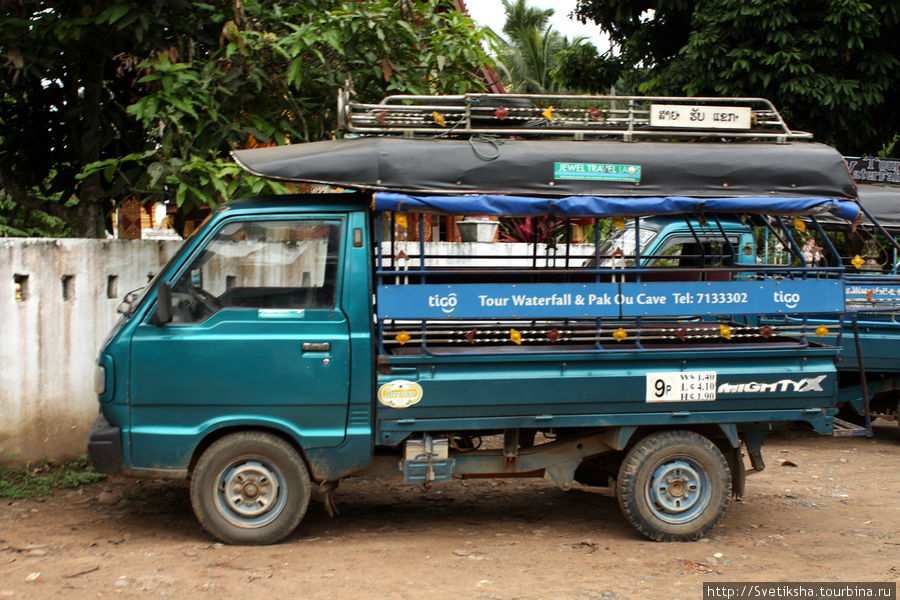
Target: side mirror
{"points": [[163, 312]]}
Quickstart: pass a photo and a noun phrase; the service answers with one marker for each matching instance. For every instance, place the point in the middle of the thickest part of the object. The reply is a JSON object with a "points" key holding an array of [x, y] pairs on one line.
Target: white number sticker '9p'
{"points": [[681, 386]]}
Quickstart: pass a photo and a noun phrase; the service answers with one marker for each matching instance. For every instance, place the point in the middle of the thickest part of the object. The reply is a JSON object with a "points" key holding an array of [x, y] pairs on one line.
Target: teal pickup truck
{"points": [[869, 362], [296, 341]]}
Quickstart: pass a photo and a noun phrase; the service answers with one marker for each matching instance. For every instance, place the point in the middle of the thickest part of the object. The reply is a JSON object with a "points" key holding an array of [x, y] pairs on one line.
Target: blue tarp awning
{"points": [[602, 206]]}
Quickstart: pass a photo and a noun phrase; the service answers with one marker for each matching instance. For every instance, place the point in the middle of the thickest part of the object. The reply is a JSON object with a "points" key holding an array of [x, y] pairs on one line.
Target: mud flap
{"points": [[738, 473], [754, 439]]}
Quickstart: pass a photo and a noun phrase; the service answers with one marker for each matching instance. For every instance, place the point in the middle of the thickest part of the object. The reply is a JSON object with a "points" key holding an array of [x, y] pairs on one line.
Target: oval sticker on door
{"points": [[400, 393]]}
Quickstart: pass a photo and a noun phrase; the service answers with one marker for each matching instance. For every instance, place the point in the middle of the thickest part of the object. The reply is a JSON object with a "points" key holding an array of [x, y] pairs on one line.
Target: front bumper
{"points": [[105, 447]]}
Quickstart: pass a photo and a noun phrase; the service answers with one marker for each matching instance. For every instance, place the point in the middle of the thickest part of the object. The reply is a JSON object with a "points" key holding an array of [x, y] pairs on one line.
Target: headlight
{"points": [[100, 379]]}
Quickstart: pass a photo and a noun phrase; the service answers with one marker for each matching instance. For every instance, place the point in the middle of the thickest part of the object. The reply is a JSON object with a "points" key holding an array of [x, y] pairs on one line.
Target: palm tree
{"points": [[520, 17], [528, 52]]}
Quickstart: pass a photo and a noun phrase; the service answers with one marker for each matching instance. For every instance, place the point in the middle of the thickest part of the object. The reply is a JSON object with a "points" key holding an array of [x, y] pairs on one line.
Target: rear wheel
{"points": [[674, 486], [250, 488]]}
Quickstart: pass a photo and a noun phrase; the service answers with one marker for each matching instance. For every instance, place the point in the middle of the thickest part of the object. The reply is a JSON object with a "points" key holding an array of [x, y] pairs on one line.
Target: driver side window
{"points": [[261, 265]]}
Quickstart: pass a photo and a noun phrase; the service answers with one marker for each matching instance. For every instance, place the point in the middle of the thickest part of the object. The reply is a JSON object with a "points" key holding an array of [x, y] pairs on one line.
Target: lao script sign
{"points": [[593, 300], [685, 116]]}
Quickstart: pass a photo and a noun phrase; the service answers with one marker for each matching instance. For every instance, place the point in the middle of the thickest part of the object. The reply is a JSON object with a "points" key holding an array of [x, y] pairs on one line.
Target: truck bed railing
{"points": [[872, 294], [561, 297], [403, 338]]}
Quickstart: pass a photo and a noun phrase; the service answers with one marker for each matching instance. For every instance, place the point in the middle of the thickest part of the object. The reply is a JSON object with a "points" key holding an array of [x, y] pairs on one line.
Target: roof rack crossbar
{"points": [[563, 115]]}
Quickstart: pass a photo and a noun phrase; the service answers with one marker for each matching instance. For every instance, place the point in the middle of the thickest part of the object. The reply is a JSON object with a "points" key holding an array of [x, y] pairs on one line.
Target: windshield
{"points": [[623, 241], [134, 298]]}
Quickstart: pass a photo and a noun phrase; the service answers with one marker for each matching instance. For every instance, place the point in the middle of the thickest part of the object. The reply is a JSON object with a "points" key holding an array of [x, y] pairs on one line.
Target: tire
{"points": [[674, 486], [250, 488]]}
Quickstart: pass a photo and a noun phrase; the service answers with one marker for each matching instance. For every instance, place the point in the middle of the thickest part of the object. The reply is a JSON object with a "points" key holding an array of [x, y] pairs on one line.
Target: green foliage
{"points": [[104, 101], [599, 230], [69, 73], [832, 67], [274, 80], [522, 18], [531, 230], [535, 59], [581, 67], [892, 148], [17, 220], [43, 477], [551, 230]]}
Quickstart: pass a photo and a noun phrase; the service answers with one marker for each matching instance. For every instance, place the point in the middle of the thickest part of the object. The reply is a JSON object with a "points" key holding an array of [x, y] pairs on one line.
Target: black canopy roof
{"points": [[883, 203], [880, 200], [513, 166]]}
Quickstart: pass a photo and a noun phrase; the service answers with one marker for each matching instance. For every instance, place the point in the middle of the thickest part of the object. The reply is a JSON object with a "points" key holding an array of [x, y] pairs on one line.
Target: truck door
{"points": [[257, 339]]}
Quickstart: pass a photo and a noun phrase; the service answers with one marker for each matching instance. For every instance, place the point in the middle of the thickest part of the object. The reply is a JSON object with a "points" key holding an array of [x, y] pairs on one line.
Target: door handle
{"points": [[316, 346]]}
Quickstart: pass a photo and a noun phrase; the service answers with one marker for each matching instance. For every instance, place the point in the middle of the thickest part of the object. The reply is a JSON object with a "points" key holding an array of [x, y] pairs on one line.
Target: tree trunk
{"points": [[88, 218]]}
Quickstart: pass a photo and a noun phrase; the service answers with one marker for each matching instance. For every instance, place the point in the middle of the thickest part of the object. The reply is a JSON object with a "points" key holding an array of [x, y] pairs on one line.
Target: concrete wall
{"points": [[50, 336]]}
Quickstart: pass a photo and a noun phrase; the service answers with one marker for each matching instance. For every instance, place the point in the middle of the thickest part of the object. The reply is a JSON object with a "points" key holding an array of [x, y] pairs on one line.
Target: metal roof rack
{"points": [[567, 116]]}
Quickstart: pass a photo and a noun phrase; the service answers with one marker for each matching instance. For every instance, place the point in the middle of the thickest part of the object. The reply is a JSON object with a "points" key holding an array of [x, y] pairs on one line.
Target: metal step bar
{"points": [[847, 429], [567, 116]]}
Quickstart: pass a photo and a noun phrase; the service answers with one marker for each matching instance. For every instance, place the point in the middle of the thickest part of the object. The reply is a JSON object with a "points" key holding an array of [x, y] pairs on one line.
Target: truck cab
{"points": [[262, 303], [681, 243]]}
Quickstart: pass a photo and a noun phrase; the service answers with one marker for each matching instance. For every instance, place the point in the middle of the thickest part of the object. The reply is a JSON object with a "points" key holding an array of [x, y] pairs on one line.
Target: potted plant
{"points": [[477, 229]]}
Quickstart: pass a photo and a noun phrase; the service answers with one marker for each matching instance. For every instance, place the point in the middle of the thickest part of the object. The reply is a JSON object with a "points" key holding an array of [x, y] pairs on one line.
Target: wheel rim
{"points": [[250, 494], [678, 490]]}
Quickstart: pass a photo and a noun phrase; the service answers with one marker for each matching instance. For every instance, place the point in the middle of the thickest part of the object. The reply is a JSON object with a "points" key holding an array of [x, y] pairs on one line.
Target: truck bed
{"points": [[461, 391]]}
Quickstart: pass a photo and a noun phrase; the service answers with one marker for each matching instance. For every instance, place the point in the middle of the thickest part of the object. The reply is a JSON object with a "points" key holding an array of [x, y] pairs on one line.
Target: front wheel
{"points": [[674, 486], [250, 488]]}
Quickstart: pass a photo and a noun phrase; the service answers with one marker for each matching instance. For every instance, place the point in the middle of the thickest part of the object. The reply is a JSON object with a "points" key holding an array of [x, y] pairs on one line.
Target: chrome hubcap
{"points": [[249, 493], [678, 490]]}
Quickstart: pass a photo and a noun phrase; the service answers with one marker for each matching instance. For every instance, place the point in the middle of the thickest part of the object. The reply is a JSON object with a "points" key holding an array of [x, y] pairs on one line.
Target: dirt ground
{"points": [[825, 509]]}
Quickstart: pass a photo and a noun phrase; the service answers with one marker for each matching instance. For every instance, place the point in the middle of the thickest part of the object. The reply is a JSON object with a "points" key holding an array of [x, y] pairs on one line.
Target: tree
{"points": [[68, 76], [17, 220], [581, 67], [536, 59], [832, 67], [522, 17], [528, 55], [145, 100], [275, 80]]}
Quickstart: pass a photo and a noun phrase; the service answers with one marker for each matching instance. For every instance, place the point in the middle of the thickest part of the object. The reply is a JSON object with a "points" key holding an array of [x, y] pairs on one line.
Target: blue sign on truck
{"points": [[583, 300]]}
